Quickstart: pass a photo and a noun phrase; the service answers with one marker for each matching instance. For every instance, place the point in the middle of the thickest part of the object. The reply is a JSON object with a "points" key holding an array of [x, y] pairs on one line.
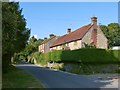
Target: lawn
{"points": [[18, 78]]}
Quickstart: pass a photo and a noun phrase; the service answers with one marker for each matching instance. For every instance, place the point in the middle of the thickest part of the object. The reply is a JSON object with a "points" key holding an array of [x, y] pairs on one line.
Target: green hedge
{"points": [[55, 55], [90, 56], [84, 55], [116, 54]]}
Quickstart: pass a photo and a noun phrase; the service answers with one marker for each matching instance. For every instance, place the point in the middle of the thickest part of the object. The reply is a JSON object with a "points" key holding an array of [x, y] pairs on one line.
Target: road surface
{"points": [[58, 79]]}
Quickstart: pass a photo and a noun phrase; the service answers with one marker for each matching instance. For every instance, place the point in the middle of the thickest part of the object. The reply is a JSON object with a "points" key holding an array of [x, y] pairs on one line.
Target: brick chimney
{"points": [[68, 30], [94, 20], [51, 35]]}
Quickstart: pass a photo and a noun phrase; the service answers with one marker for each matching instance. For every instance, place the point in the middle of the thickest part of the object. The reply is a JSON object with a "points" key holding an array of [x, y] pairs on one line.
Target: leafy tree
{"points": [[112, 32], [32, 40], [31, 47], [14, 31], [38, 42], [33, 44]]}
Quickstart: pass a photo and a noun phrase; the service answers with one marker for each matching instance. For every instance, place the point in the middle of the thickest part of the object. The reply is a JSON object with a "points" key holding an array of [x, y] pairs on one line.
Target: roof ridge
{"points": [[75, 35], [81, 27]]}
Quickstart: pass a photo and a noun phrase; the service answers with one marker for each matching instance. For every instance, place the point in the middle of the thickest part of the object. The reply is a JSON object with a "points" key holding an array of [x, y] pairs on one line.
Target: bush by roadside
{"points": [[82, 55], [84, 61]]}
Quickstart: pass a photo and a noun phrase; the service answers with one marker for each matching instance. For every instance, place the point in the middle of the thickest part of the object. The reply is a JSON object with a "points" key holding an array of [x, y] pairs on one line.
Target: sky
{"points": [[66, 0], [44, 18]]}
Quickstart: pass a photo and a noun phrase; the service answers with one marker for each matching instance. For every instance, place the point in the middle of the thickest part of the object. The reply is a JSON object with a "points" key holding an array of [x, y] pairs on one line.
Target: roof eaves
{"points": [[63, 43]]}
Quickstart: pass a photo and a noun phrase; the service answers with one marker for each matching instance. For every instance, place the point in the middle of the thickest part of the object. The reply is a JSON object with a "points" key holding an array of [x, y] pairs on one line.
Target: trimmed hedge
{"points": [[55, 56], [90, 56], [84, 55], [116, 54]]}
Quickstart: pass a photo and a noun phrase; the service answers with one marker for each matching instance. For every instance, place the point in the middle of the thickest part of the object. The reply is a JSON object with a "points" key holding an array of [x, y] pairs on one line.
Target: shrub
{"points": [[88, 56], [116, 53], [55, 56], [85, 55], [42, 59], [56, 67]]}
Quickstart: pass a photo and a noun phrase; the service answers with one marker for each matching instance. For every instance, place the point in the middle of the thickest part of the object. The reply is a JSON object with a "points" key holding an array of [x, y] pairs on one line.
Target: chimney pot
{"points": [[51, 35], [94, 20], [45, 38], [68, 30]]}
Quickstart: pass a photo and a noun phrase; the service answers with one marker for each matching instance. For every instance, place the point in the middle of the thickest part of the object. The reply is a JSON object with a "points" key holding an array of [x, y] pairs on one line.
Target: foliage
{"points": [[34, 57], [32, 40], [89, 45], [31, 46], [89, 55], [37, 58], [85, 55], [116, 53], [80, 68], [55, 56], [38, 42], [14, 31], [56, 67], [30, 52], [42, 59], [112, 32]]}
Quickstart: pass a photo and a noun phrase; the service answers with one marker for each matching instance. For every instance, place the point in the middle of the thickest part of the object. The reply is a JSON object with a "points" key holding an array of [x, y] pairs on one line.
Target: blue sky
{"points": [[44, 18]]}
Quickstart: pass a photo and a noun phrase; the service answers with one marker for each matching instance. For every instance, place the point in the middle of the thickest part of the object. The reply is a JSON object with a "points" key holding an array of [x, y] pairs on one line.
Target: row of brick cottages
{"points": [[88, 34]]}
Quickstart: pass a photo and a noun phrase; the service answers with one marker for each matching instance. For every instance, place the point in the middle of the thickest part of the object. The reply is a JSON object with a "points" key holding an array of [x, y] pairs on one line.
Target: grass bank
{"points": [[18, 78]]}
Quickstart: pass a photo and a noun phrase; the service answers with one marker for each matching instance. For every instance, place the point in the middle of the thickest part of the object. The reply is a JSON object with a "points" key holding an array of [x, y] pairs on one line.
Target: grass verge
{"points": [[18, 78]]}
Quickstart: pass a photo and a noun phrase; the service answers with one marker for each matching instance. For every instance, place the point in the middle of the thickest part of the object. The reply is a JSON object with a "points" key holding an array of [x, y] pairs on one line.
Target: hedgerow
{"points": [[84, 55]]}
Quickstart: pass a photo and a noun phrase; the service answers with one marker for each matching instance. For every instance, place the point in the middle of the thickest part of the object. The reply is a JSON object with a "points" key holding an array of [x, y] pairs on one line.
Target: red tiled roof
{"points": [[75, 35]]}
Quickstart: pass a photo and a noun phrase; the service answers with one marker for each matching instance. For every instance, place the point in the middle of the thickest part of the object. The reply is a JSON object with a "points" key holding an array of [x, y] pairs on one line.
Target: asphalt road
{"points": [[58, 79]]}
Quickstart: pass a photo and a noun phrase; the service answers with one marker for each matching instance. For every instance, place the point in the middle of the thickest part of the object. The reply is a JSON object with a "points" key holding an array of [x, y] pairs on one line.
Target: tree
{"points": [[112, 32], [38, 42], [31, 47], [34, 43], [14, 31], [32, 40]]}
